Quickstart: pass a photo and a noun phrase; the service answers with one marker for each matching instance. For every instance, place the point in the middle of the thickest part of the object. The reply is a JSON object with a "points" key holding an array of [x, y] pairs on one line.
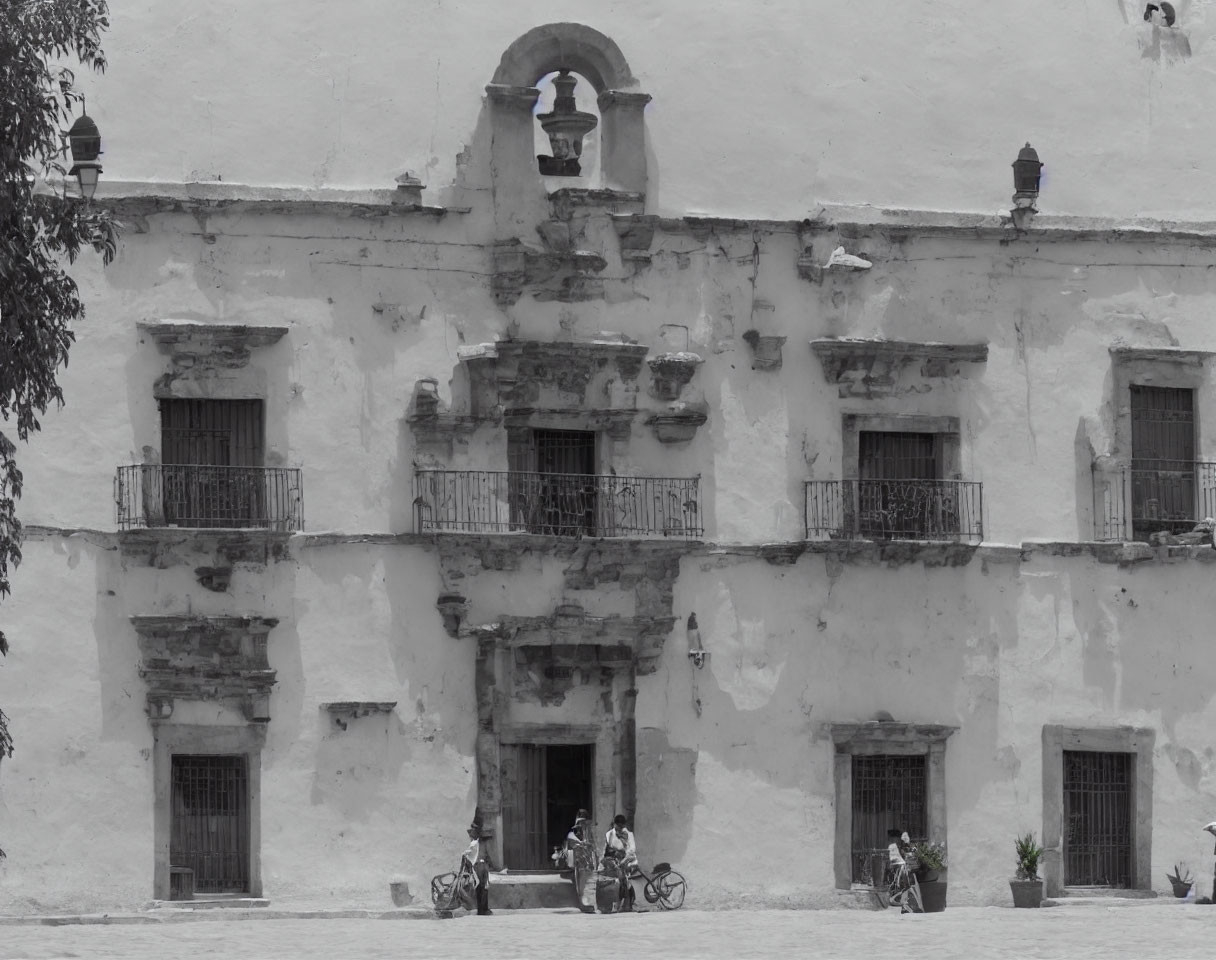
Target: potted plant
{"points": [[1181, 881], [1027, 888], [930, 875]]}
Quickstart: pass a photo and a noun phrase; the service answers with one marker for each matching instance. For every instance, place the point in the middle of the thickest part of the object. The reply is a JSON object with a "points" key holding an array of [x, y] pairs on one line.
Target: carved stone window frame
{"points": [[882, 738], [1154, 367], [949, 451], [1138, 741]]}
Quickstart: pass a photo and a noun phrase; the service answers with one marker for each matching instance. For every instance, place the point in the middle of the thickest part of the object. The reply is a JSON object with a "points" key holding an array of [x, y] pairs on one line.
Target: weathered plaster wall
{"points": [[373, 304], [925, 106], [387, 795], [997, 649]]}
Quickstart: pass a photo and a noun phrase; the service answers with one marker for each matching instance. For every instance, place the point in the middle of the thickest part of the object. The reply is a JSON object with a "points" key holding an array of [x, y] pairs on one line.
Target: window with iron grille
{"points": [[888, 793], [210, 821], [1097, 818], [211, 462], [1163, 470], [899, 493], [552, 482]]}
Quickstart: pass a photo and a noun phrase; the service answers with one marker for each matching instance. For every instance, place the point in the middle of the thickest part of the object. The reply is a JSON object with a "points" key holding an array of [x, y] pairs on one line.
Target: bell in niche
{"points": [[565, 126]]}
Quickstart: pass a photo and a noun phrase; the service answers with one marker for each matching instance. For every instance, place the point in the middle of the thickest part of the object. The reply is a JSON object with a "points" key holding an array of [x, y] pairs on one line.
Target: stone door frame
{"points": [[1138, 741], [183, 738]]}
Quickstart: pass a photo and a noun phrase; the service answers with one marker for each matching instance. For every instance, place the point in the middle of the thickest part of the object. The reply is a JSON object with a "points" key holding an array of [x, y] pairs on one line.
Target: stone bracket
{"points": [[679, 422], [343, 712], [766, 351]]}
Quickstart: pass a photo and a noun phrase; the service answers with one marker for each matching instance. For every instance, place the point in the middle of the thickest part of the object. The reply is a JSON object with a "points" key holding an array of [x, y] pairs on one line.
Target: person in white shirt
{"points": [[619, 846], [477, 855]]}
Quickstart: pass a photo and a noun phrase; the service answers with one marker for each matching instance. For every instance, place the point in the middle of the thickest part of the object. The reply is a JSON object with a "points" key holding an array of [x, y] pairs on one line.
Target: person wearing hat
{"points": [[619, 845], [580, 858], [478, 856]]}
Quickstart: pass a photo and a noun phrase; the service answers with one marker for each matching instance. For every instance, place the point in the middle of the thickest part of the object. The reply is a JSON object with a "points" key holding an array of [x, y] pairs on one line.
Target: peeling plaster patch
{"points": [[758, 439], [741, 662]]}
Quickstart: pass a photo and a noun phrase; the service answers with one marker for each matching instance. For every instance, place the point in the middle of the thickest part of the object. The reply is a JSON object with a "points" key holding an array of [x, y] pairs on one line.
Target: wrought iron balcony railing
{"points": [[894, 510], [198, 495], [558, 504], [1169, 496]]}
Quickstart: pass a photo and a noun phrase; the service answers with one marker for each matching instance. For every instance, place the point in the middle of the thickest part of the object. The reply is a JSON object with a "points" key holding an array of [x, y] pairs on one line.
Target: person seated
{"points": [[620, 848]]}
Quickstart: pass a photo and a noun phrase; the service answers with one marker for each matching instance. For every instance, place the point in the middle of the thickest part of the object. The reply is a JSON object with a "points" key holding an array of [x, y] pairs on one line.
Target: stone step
{"points": [[530, 891]]}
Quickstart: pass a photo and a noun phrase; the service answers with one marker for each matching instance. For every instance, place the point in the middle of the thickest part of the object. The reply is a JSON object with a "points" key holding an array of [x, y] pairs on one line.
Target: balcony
{"points": [[894, 510], [557, 504], [205, 496], [1166, 496]]}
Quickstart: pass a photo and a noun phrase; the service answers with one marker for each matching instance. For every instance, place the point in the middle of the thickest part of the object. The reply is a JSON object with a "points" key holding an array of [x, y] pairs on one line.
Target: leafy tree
{"points": [[42, 228]]}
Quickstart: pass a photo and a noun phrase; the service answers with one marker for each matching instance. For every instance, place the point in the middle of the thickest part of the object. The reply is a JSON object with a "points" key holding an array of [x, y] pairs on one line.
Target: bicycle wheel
{"points": [[670, 888], [918, 905]]}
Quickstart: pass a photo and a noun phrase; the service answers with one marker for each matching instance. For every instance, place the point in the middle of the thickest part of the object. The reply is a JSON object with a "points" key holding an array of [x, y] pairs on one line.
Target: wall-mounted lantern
{"points": [[1027, 171], [696, 653], [84, 139], [565, 126]]}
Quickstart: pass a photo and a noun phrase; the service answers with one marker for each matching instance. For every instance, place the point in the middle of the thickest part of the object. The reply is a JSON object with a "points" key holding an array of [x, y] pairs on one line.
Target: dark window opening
{"points": [[1097, 818], [1164, 472], [209, 832], [211, 463], [552, 483], [888, 793], [900, 491]]}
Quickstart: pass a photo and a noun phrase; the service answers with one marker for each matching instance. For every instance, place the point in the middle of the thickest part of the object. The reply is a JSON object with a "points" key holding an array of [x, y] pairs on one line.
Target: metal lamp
{"points": [[84, 139], [1026, 173], [696, 653]]}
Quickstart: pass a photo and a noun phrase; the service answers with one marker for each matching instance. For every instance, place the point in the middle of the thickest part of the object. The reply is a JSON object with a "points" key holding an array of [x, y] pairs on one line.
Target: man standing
{"points": [[478, 858], [619, 846]]}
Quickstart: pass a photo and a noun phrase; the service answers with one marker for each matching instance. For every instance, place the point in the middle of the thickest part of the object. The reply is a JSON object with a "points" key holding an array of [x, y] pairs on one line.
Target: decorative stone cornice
{"points": [[618, 641], [512, 96], [172, 335], [871, 367], [1178, 355], [206, 659], [887, 731], [622, 98]]}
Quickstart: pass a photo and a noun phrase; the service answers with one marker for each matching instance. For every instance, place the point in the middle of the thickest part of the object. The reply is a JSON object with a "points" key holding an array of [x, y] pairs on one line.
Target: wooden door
{"points": [[522, 772], [211, 455], [1163, 460], [898, 493], [209, 832]]}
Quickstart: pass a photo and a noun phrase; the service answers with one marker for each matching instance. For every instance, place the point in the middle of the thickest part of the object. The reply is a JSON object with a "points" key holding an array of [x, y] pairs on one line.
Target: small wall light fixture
{"points": [[696, 653], [1027, 171], [84, 139]]}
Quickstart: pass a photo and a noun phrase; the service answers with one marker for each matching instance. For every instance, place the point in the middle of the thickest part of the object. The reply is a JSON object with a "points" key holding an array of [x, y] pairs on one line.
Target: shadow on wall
{"points": [[358, 763], [671, 776]]}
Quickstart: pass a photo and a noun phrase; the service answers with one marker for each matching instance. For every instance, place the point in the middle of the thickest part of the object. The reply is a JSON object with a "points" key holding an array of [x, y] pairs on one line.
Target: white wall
{"points": [[759, 109]]}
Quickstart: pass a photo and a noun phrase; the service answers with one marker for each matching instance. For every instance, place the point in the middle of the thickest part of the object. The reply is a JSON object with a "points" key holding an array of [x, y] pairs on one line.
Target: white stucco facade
{"points": [[386, 337]]}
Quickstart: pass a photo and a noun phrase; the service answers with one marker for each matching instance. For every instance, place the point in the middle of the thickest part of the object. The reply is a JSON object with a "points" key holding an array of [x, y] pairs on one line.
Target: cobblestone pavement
{"points": [[1168, 930]]}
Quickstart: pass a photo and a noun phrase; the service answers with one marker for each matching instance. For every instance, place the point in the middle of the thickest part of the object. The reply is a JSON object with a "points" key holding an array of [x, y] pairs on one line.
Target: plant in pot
{"points": [[1181, 881], [931, 874], [1027, 888]]}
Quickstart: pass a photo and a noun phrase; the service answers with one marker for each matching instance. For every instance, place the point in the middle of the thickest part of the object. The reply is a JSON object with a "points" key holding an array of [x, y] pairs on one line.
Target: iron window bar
{"points": [[207, 496], [557, 504], [895, 509], [1134, 501]]}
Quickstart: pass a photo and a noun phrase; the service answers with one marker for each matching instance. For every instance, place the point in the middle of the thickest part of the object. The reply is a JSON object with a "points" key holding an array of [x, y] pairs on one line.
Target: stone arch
{"points": [[574, 46]]}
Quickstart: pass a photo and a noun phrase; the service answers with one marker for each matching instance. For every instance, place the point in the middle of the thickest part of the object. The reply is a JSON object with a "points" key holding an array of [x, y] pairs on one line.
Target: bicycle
{"points": [[904, 887], [665, 886]]}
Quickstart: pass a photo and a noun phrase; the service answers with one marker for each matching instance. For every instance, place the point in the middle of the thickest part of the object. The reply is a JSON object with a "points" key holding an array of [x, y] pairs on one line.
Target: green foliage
{"points": [[931, 854], [41, 228], [1029, 854]]}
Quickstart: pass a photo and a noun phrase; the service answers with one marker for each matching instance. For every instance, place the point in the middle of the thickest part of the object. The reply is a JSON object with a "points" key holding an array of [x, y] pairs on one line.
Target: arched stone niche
{"points": [[576, 47]]}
